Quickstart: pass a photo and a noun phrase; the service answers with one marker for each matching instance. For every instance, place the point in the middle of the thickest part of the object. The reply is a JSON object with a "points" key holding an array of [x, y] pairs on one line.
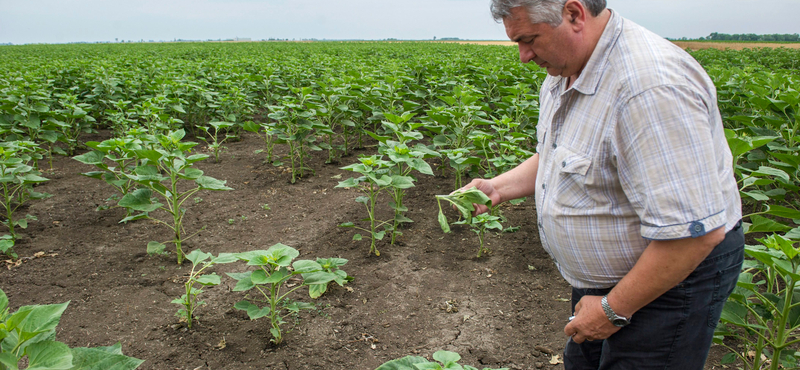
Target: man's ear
{"points": [[575, 13]]}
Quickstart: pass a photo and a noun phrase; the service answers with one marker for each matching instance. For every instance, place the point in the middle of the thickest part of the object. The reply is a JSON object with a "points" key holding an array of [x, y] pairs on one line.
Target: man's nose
{"points": [[526, 53]]}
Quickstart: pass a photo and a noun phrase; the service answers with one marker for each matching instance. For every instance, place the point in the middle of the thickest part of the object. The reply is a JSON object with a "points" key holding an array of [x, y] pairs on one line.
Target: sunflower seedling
{"points": [[374, 180], [274, 270], [16, 184], [214, 141], [161, 173], [200, 263]]}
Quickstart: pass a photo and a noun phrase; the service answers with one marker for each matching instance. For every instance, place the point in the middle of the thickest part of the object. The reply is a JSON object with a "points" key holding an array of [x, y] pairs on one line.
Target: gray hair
{"points": [[542, 11]]}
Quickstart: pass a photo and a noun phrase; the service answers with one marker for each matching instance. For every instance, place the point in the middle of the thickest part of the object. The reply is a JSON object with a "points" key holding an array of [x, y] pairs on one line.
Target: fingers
{"points": [[473, 183]]}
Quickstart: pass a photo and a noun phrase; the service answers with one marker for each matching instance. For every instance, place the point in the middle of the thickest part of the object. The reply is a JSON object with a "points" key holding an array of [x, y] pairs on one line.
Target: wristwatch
{"points": [[617, 320]]}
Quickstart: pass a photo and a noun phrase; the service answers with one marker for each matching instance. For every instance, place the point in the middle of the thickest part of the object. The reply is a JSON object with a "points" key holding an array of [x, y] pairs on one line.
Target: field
{"points": [[300, 134]]}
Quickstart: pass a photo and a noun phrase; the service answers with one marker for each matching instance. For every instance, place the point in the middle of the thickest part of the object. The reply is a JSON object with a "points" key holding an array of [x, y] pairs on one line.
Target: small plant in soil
{"points": [[463, 200], [404, 159], [444, 360], [162, 171], [30, 333], [374, 180], [276, 277], [200, 263], [214, 141], [269, 136], [16, 183], [120, 152]]}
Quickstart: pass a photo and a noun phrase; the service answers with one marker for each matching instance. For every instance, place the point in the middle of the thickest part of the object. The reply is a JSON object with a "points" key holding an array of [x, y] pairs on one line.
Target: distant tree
{"points": [[715, 36]]}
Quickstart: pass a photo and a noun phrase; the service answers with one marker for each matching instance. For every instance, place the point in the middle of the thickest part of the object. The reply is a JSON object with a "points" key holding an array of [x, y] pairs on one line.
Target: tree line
{"points": [[752, 37]]}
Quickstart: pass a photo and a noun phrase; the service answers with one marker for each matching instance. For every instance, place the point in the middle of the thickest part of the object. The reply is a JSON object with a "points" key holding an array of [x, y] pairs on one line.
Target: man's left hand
{"points": [[590, 322]]}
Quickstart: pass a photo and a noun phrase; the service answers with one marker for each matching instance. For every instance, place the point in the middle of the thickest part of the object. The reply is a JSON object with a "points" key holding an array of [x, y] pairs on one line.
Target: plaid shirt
{"points": [[634, 151]]}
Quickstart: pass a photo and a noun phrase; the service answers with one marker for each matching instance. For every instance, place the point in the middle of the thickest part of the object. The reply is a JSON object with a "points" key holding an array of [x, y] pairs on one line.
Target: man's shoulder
{"points": [[643, 60]]}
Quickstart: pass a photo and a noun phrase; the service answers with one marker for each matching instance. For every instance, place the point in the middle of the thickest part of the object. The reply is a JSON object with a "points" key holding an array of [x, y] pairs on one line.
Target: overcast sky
{"points": [[59, 21]]}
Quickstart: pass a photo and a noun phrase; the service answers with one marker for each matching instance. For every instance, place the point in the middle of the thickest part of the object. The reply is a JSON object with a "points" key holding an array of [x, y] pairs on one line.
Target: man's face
{"points": [[549, 47]]}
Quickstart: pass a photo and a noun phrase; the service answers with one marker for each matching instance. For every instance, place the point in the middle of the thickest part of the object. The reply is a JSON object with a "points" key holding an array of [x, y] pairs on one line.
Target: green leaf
{"points": [[784, 212], [36, 319], [357, 237], [728, 359], [94, 157], [260, 277], [402, 182], [243, 283], [304, 266], [149, 154], [383, 180], [769, 171], [103, 358], [191, 173], [793, 234], [405, 363], [177, 135], [253, 311], [154, 248], [49, 355], [318, 277], [139, 200], [277, 276], [32, 178], [421, 166], [9, 361], [210, 183], [3, 304], [210, 279], [283, 254], [317, 290], [446, 357], [225, 258], [349, 183], [757, 195], [765, 225], [197, 256], [443, 222], [734, 313]]}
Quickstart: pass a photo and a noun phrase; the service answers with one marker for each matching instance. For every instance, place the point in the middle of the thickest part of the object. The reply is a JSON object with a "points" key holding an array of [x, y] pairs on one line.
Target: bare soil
{"points": [[427, 292]]}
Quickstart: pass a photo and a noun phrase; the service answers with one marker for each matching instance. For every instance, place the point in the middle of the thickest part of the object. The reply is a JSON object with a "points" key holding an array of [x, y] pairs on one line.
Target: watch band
{"points": [[615, 319]]}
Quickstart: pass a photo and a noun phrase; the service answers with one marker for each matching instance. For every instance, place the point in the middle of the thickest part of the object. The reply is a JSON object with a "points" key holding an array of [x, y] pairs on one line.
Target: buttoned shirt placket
{"points": [[560, 99]]}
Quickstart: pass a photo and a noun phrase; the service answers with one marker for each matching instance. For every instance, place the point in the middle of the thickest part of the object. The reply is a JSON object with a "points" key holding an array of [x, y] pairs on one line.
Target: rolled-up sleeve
{"points": [[667, 164]]}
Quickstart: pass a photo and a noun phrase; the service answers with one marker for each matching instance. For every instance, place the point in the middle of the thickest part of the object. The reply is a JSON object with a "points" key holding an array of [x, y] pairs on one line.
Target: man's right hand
{"points": [[487, 188]]}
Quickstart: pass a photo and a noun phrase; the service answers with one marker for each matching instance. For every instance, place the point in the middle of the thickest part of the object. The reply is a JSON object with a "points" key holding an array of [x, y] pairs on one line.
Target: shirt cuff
{"points": [[692, 229]]}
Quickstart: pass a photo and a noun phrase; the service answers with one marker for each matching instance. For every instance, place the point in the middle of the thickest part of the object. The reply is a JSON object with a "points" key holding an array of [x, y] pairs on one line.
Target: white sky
{"points": [[58, 21]]}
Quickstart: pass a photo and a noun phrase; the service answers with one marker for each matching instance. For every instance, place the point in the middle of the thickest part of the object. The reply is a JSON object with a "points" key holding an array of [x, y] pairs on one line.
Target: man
{"points": [[632, 177]]}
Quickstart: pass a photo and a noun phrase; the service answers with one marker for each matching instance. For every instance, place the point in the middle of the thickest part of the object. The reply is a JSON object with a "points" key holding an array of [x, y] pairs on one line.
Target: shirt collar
{"points": [[589, 79]]}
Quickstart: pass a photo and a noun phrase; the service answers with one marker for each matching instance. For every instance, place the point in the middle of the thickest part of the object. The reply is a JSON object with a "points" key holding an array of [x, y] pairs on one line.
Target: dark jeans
{"points": [[675, 330]]}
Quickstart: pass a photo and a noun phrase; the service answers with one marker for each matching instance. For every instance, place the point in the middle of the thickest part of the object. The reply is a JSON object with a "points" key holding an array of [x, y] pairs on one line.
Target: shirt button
{"points": [[543, 186], [555, 146], [564, 164], [698, 228]]}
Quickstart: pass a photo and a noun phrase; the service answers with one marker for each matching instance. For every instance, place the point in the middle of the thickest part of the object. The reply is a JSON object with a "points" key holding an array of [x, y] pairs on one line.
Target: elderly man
{"points": [[636, 199]]}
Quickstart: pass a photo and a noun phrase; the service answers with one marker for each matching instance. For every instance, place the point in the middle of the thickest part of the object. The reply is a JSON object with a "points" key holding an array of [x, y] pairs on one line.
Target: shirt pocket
{"points": [[571, 169]]}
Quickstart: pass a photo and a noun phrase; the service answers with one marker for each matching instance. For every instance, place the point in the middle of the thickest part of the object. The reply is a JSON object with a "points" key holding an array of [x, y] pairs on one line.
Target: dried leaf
{"points": [[221, 344]]}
